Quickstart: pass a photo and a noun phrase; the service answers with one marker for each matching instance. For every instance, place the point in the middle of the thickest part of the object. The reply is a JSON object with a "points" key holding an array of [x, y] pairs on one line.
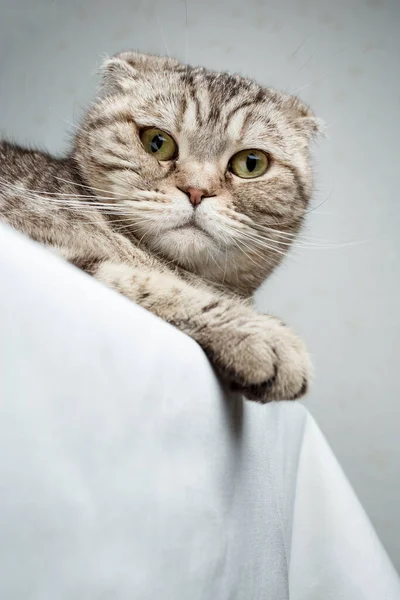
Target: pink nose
{"points": [[196, 195]]}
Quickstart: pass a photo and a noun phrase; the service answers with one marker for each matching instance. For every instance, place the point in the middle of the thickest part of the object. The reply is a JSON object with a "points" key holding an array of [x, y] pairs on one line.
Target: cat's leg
{"points": [[256, 354]]}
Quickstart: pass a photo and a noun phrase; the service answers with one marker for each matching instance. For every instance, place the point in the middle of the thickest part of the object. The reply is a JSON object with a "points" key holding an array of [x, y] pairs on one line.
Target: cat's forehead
{"points": [[212, 94], [211, 111]]}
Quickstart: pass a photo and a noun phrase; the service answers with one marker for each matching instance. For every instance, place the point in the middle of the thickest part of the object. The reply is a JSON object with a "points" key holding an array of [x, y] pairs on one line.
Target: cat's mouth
{"points": [[192, 225]]}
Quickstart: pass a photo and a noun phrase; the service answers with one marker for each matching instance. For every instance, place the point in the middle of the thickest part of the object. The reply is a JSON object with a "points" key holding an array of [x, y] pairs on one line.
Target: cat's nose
{"points": [[195, 195]]}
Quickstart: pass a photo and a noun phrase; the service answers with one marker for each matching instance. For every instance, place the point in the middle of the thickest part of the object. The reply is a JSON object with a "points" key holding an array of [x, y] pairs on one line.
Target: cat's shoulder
{"points": [[17, 161], [15, 152]]}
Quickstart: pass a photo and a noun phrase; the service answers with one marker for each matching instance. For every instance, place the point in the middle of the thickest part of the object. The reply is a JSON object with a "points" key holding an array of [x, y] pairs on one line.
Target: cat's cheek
{"points": [[122, 185]]}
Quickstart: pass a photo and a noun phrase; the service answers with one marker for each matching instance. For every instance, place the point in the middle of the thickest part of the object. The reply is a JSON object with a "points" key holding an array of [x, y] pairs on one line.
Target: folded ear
{"points": [[305, 119], [300, 115], [120, 72]]}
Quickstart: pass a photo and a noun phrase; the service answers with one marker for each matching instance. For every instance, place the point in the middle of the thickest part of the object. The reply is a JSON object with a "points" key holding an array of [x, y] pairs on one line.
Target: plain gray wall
{"points": [[343, 58]]}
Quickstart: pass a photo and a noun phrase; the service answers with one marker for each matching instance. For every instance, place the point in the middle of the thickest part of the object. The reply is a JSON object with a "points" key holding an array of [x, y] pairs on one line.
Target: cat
{"points": [[183, 190]]}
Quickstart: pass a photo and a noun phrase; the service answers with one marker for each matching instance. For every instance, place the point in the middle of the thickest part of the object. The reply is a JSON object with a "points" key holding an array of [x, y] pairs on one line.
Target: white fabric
{"points": [[126, 473], [335, 551]]}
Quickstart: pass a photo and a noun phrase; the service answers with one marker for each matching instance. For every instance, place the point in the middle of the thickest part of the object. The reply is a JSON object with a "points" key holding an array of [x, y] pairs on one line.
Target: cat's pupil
{"points": [[157, 142], [251, 162]]}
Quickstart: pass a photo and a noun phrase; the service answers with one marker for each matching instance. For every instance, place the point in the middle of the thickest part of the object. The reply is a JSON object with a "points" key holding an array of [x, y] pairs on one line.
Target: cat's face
{"points": [[212, 169]]}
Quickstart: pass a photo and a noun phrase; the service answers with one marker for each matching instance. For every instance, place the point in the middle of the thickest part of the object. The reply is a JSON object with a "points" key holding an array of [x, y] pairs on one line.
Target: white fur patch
{"points": [[235, 125], [189, 119]]}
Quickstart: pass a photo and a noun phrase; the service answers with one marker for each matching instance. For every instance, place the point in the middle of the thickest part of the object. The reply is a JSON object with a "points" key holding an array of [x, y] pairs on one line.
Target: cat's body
{"points": [[191, 232]]}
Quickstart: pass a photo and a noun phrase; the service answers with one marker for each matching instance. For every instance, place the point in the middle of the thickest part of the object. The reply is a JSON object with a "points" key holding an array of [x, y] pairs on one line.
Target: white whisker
{"points": [[263, 243], [226, 265], [303, 87], [240, 243], [71, 124], [86, 187]]}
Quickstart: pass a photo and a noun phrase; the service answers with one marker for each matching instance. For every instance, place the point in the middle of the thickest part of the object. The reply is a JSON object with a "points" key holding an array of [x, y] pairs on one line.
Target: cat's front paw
{"points": [[263, 359]]}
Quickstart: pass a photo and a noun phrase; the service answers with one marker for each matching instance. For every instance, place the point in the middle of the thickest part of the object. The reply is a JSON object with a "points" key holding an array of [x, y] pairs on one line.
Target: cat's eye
{"points": [[249, 163], [158, 143]]}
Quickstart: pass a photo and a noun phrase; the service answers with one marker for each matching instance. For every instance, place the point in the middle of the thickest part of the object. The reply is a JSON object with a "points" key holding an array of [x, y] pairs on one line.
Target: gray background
{"points": [[343, 58]]}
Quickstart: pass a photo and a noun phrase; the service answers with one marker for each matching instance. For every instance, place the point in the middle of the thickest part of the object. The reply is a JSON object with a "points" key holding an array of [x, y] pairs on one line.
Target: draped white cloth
{"points": [[126, 473]]}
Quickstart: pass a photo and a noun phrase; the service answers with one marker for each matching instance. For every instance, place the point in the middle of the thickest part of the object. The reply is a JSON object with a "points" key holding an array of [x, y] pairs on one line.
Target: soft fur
{"points": [[122, 216]]}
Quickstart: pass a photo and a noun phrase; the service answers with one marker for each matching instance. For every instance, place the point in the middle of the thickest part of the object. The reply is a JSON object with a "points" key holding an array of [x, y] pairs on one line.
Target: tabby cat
{"points": [[183, 190]]}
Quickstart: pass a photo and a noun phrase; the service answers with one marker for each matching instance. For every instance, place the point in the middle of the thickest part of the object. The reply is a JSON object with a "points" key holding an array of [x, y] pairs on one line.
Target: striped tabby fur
{"points": [[116, 212]]}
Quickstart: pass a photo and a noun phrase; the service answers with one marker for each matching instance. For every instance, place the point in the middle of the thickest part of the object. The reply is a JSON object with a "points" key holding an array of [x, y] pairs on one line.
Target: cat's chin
{"points": [[186, 243]]}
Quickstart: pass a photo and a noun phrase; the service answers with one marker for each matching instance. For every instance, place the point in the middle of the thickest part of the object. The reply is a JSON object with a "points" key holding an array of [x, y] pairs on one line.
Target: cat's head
{"points": [[209, 170]]}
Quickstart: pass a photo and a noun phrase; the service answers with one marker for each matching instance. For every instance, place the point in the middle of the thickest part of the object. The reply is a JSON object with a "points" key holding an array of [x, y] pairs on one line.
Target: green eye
{"points": [[249, 163], [158, 143]]}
